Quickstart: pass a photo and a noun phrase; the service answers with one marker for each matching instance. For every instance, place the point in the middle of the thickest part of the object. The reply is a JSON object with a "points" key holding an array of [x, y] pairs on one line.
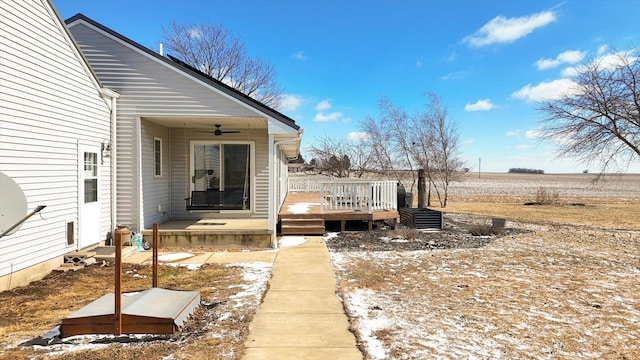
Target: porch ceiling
{"points": [[226, 122]]}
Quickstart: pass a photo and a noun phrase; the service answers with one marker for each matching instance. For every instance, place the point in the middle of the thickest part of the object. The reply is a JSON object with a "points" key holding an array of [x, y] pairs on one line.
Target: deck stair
{"points": [[293, 226]]}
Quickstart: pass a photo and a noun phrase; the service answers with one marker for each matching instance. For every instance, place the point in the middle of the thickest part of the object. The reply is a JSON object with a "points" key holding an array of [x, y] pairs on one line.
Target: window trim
{"points": [[157, 163]]}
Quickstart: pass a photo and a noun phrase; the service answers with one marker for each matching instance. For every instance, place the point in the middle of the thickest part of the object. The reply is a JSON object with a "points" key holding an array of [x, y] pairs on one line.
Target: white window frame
{"points": [[157, 165]]}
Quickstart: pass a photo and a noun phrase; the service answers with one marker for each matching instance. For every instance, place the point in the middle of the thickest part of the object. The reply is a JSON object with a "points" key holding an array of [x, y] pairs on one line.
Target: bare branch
{"points": [[599, 120], [211, 49]]}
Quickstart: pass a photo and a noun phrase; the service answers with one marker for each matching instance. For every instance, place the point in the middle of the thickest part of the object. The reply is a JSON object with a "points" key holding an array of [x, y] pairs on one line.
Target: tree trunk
{"points": [[422, 187]]}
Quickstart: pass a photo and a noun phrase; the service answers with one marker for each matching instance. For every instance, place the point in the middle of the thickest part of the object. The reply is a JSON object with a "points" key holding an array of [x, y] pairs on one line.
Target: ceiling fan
{"points": [[219, 132]]}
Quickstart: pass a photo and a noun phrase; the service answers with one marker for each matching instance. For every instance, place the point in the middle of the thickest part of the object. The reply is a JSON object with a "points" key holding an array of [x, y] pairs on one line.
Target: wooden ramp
{"points": [[152, 311]]}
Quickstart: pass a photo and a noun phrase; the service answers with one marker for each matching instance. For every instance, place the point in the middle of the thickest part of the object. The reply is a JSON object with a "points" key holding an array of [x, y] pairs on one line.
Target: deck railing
{"points": [[306, 183], [349, 194]]}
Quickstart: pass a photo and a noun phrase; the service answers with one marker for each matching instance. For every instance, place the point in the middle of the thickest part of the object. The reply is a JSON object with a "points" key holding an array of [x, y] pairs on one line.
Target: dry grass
{"points": [[37, 308], [612, 216], [566, 289], [554, 293]]}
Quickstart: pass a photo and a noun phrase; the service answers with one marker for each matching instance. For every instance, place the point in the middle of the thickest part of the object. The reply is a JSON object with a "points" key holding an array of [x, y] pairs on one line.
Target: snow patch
{"points": [[175, 257], [290, 241]]}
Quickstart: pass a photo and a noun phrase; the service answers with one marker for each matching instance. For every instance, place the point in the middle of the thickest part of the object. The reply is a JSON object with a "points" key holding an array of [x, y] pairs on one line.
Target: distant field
{"points": [[613, 203], [517, 187]]}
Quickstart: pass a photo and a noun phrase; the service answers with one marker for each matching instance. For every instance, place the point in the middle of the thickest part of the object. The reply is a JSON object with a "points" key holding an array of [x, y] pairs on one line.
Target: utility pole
{"points": [[479, 164]]}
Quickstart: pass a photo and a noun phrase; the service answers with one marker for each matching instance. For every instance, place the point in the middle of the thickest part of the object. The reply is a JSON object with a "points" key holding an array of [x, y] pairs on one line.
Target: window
{"points": [[157, 157], [221, 176], [90, 176]]}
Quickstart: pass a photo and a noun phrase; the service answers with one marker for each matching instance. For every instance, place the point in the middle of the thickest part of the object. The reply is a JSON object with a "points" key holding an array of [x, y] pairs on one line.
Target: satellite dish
{"points": [[13, 204]]}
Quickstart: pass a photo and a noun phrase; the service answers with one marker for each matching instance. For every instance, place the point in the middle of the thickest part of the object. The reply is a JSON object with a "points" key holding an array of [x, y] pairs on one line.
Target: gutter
{"points": [[112, 96]]}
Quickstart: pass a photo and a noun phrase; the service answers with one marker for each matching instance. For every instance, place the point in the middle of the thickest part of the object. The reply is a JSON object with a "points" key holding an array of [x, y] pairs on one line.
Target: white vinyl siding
{"points": [[49, 105], [151, 89], [155, 189]]}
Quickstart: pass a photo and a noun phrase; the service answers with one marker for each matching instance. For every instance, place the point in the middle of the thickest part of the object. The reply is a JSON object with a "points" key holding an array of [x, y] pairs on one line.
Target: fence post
{"points": [[119, 233]]}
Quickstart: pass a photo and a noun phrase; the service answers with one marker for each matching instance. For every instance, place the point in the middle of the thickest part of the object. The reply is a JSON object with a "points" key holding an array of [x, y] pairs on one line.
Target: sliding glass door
{"points": [[220, 176]]}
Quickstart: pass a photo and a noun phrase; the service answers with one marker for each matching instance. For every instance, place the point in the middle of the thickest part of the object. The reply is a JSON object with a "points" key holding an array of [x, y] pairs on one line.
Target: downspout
{"points": [[112, 97], [276, 176]]}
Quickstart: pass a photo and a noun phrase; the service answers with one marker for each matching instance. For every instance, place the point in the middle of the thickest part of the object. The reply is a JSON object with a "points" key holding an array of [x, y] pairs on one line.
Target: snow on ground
{"points": [[563, 293], [301, 208], [290, 241], [255, 276]]}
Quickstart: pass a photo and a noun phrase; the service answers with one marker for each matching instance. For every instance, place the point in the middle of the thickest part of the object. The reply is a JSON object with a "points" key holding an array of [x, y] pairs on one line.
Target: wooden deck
{"points": [[306, 205]]}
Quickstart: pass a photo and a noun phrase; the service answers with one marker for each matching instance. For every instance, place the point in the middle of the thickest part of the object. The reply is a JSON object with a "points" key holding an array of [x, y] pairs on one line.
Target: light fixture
{"points": [[105, 150]]}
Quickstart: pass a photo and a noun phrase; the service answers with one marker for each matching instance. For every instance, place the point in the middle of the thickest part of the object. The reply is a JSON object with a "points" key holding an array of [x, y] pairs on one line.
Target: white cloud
{"points": [[506, 30], [602, 49], [512, 133], [323, 105], [357, 136], [468, 142], [419, 63], [614, 60], [533, 134], [299, 55], [194, 33], [545, 90], [290, 102], [566, 57], [480, 105], [607, 61], [321, 117]]}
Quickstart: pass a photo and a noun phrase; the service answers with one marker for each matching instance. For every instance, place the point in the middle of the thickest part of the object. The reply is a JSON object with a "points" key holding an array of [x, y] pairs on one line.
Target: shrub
{"points": [[544, 197], [484, 230], [405, 233]]}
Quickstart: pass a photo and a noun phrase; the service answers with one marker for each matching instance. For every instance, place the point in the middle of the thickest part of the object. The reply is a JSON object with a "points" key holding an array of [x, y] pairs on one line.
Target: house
{"points": [[55, 132], [191, 153]]}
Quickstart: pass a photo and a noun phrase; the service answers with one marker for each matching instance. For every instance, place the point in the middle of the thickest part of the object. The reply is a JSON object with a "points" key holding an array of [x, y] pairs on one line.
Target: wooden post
{"points": [[422, 189], [155, 255], [117, 321]]}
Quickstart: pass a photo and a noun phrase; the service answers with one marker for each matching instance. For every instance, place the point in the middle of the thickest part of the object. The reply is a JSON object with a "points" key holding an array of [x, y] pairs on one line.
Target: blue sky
{"points": [[487, 60]]}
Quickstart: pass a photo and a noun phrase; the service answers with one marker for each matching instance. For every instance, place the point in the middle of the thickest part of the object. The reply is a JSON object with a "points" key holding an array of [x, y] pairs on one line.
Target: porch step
{"points": [[292, 226]]}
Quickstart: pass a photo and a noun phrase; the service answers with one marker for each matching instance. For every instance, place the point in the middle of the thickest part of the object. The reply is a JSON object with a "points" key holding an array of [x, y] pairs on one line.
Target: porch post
{"points": [[273, 190]]}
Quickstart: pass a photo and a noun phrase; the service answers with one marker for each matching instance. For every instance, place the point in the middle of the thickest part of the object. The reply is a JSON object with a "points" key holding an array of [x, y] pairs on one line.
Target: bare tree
{"points": [[331, 157], [389, 141], [598, 119], [360, 155], [426, 140], [211, 49]]}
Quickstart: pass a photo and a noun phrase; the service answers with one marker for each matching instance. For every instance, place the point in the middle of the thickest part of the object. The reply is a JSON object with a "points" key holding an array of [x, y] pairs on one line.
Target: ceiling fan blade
{"points": [[230, 131]]}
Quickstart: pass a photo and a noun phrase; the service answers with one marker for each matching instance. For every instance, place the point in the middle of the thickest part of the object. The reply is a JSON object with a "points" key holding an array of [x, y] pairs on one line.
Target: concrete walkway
{"points": [[301, 317]]}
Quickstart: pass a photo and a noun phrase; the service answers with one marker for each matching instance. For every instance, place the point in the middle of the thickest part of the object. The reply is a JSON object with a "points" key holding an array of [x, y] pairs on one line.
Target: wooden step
{"points": [[293, 226]]}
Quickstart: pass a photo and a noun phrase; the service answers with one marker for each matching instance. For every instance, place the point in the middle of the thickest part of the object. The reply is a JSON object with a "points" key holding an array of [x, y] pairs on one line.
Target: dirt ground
{"points": [[230, 297]]}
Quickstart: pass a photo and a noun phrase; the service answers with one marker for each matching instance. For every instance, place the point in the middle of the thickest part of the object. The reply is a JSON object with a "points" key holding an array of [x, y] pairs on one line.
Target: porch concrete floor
{"points": [[216, 224], [213, 233]]}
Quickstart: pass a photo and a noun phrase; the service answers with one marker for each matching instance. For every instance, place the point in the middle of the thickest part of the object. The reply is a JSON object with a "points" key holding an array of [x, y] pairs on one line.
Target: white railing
{"points": [[306, 183], [348, 194], [358, 195]]}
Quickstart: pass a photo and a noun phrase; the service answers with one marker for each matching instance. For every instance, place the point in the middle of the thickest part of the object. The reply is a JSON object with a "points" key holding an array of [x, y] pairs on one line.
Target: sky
{"points": [[488, 61]]}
